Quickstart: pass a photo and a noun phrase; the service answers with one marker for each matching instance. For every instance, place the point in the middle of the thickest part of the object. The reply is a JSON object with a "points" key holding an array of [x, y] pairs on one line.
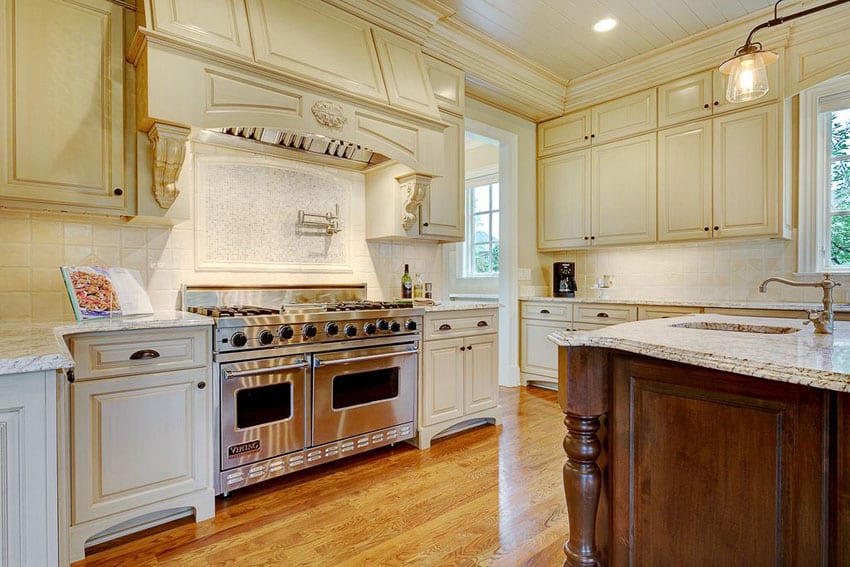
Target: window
{"points": [[481, 249], [824, 235]]}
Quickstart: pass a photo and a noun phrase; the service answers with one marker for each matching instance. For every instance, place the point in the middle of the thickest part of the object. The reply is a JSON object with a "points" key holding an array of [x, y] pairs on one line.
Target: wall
{"points": [[34, 244], [725, 270]]}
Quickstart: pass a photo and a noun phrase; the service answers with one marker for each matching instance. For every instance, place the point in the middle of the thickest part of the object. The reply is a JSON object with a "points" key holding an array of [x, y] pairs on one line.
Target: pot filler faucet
{"points": [[822, 318]]}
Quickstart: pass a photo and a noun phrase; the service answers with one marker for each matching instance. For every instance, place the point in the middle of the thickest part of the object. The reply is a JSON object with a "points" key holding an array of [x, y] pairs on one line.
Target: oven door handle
{"points": [[317, 363], [228, 374]]}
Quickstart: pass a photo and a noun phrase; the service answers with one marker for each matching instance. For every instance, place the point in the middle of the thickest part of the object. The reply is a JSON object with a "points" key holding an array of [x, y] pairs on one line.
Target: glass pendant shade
{"points": [[747, 75]]}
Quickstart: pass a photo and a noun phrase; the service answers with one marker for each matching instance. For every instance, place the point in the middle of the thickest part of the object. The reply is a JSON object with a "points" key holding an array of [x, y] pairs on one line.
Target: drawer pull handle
{"points": [[544, 311], [445, 327], [482, 323], [602, 314], [144, 354], [463, 348]]}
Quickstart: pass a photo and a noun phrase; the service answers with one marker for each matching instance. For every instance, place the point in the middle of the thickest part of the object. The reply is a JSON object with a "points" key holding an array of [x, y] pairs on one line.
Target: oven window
{"points": [[265, 404], [365, 387]]}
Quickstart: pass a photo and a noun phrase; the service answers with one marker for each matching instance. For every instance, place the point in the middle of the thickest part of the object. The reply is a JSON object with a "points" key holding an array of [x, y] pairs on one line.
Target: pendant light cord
{"points": [[777, 20]]}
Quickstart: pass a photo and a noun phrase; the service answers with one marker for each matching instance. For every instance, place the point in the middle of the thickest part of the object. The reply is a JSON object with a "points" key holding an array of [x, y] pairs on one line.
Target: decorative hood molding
{"points": [[292, 65]]}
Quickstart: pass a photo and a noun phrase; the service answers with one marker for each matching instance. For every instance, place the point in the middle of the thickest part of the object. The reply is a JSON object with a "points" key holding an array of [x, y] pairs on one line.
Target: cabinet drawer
{"points": [[662, 311], [105, 355], [547, 311], [604, 314], [461, 323]]}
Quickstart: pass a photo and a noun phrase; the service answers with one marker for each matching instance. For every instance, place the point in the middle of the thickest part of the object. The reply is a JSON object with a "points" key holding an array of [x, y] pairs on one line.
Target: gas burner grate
{"points": [[232, 311], [366, 305]]}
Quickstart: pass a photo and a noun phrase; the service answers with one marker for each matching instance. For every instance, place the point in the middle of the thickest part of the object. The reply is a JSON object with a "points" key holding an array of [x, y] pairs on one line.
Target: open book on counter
{"points": [[97, 291]]}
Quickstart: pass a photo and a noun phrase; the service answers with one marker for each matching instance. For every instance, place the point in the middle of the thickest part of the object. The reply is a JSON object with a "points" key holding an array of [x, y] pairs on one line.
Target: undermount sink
{"points": [[737, 327]]}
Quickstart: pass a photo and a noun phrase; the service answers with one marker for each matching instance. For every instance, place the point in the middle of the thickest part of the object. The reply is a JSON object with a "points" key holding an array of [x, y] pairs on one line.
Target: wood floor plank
{"points": [[486, 496]]}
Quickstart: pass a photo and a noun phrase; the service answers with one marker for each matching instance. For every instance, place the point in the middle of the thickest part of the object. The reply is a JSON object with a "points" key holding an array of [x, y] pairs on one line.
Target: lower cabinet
{"points": [[28, 481], [460, 375], [140, 435]]}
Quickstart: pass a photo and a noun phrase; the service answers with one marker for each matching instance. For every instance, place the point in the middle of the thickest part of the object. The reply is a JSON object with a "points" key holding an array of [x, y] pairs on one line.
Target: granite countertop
{"points": [[842, 307], [27, 346], [802, 357], [460, 306]]}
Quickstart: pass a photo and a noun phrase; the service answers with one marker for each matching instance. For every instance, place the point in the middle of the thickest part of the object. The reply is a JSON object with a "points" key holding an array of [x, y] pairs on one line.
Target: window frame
{"points": [[815, 182], [469, 242]]}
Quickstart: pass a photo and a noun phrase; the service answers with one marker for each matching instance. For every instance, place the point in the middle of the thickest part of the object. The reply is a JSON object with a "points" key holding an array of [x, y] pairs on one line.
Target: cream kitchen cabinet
{"points": [[702, 94], [449, 85], [442, 212], [459, 378], [619, 118], [221, 24], [28, 465], [140, 430], [645, 312], [62, 106], [720, 178], [598, 196], [538, 361]]}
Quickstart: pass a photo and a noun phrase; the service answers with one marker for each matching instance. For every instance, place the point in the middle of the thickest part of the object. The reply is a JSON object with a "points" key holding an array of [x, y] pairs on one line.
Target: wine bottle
{"points": [[406, 284]]}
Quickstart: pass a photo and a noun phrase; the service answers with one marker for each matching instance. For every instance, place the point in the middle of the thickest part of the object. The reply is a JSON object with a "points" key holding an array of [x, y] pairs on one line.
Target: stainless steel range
{"points": [[323, 375]]}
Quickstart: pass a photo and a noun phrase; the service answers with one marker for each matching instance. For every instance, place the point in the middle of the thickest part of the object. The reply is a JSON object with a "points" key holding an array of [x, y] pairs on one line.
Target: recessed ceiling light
{"points": [[606, 24]]}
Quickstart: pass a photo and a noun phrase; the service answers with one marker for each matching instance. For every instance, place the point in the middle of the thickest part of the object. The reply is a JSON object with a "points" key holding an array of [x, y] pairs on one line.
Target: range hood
{"points": [[307, 97], [323, 149]]}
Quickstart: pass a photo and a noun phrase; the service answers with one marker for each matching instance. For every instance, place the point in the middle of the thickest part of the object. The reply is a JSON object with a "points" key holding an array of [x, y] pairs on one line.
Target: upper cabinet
{"points": [[703, 94], [620, 118], [62, 106], [448, 84], [219, 24], [405, 76], [441, 214]]}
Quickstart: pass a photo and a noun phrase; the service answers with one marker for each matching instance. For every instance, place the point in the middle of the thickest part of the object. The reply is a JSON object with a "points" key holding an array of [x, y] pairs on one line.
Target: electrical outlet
{"points": [[524, 274]]}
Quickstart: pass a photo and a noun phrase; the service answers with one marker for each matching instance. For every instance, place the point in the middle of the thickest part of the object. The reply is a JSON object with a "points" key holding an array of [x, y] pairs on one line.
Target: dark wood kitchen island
{"points": [[706, 440]]}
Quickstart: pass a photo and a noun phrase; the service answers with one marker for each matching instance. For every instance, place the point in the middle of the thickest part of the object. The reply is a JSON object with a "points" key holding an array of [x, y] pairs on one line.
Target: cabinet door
{"points": [[538, 354], [688, 98], [449, 84], [563, 201], [220, 24], [62, 105], [138, 440], [442, 380], [569, 132], [405, 76], [442, 211], [623, 117], [684, 182], [481, 373], [746, 171], [624, 191], [720, 103]]}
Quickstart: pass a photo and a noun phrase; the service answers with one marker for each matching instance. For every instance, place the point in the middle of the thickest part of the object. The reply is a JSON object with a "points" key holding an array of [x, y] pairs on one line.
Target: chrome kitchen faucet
{"points": [[823, 319]]}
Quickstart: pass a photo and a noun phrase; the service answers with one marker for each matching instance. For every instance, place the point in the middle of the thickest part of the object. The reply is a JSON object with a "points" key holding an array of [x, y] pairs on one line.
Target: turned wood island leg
{"points": [[583, 396], [582, 484]]}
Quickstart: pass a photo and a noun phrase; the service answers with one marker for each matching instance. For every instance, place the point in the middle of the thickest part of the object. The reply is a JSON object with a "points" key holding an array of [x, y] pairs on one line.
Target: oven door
{"points": [[264, 409], [363, 390]]}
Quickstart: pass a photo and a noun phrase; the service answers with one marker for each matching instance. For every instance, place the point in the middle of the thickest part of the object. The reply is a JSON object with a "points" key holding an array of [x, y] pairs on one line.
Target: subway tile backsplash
{"points": [[722, 271]]}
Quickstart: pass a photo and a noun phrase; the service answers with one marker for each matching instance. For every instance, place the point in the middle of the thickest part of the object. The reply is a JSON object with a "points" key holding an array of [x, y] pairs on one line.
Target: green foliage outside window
{"points": [[840, 197]]}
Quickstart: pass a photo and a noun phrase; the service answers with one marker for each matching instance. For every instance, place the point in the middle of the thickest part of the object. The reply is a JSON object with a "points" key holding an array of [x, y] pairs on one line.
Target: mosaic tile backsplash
{"points": [[33, 245], [270, 195]]}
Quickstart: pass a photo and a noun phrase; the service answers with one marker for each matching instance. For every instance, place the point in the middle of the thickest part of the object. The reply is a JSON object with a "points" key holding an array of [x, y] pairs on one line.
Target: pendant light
{"points": [[747, 69]]}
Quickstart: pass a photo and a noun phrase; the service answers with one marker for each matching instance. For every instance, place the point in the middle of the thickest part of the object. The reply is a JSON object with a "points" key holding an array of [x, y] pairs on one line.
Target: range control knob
{"points": [[383, 325], [285, 332], [309, 331], [331, 328], [265, 337], [238, 339], [350, 330], [369, 328], [395, 326], [410, 325]]}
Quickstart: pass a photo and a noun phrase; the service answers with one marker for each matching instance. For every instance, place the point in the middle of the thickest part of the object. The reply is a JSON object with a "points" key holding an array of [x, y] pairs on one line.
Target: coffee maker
{"points": [[564, 276]]}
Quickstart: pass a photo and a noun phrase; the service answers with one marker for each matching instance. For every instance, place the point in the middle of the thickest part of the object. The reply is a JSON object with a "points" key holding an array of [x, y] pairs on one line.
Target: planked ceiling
{"points": [[557, 34]]}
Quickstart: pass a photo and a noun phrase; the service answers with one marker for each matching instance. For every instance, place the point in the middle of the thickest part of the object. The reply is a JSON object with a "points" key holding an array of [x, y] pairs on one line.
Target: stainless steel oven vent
{"points": [[311, 143]]}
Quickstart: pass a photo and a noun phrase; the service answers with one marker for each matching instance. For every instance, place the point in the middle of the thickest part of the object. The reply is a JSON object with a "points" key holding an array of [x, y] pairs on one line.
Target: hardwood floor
{"points": [[486, 496]]}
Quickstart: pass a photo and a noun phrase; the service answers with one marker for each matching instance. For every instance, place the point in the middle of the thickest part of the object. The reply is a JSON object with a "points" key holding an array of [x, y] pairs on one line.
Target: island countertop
{"points": [[32, 346], [802, 357]]}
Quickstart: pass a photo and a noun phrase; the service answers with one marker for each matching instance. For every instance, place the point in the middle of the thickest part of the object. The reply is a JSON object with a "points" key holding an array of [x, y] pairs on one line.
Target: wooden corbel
{"points": [[168, 144], [415, 186]]}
